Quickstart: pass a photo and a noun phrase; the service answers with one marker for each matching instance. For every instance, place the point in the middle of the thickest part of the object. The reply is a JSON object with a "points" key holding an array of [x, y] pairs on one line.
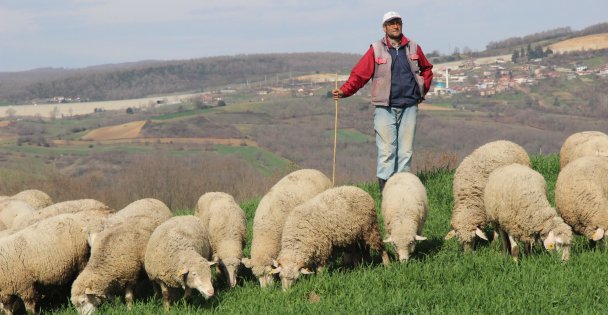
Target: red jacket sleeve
{"points": [[362, 72], [426, 70]]}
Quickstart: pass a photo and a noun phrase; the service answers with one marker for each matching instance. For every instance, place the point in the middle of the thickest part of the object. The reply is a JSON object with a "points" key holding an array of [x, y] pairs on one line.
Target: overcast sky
{"points": [[80, 33]]}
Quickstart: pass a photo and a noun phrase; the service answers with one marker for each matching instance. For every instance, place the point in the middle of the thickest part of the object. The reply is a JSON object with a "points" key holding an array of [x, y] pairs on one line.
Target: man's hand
{"points": [[337, 93]]}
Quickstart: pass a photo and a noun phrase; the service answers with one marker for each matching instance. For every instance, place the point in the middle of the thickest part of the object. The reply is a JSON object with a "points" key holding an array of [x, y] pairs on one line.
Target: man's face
{"points": [[392, 28]]}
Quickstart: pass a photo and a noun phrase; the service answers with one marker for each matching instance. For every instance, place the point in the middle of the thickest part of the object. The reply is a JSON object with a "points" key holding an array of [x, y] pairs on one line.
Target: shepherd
{"points": [[401, 76]]}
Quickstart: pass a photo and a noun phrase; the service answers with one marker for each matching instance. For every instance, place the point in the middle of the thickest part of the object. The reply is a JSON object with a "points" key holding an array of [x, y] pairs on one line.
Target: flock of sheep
{"points": [[300, 225]]}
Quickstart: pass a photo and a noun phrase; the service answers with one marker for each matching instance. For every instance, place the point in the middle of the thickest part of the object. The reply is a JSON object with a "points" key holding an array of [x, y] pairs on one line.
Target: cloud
{"points": [[13, 21]]}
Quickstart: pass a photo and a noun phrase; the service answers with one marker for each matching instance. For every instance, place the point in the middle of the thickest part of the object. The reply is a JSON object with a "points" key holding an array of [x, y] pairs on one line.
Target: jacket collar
{"points": [[404, 40]]}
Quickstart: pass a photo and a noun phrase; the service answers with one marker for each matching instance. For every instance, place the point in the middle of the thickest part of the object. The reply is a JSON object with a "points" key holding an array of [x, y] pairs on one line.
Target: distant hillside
{"points": [[589, 42], [135, 80]]}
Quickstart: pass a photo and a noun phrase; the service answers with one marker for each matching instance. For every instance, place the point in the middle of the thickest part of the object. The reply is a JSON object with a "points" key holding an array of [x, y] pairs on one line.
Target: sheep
{"points": [[71, 206], [48, 253], [470, 178], [227, 226], [338, 218], [11, 209], [177, 257], [147, 207], [581, 196], [404, 211], [583, 144], [116, 265], [516, 202], [35, 198], [292, 190]]}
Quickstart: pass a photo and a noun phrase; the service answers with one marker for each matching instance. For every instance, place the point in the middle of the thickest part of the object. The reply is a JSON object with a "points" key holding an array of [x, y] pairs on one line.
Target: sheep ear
{"points": [[183, 271], [550, 241], [275, 263], [420, 238], [211, 263], [450, 235], [91, 239], [274, 271], [388, 240], [88, 291], [246, 262], [305, 271], [598, 235], [481, 234]]}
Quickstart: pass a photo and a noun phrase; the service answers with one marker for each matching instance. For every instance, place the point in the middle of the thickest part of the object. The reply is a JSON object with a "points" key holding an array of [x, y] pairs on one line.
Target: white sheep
{"points": [[226, 224], [177, 257], [336, 219], [516, 202], [289, 192], [147, 207], [71, 206], [11, 209], [581, 196], [404, 211], [470, 178], [581, 144], [36, 198], [116, 265], [48, 253]]}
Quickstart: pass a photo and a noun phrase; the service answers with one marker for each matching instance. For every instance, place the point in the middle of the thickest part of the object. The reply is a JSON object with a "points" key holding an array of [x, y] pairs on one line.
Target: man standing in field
{"points": [[401, 77]]}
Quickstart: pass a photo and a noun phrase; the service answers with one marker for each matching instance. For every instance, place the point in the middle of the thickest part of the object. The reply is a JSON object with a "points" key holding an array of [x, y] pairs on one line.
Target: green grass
{"points": [[265, 161], [350, 135], [439, 279]]}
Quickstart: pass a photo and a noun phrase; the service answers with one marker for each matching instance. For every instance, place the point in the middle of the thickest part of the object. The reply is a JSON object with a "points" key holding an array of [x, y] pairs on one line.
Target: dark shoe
{"points": [[381, 183]]}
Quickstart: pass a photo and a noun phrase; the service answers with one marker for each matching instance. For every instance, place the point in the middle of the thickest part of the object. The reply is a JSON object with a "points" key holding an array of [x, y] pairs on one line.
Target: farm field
{"points": [[439, 279]]}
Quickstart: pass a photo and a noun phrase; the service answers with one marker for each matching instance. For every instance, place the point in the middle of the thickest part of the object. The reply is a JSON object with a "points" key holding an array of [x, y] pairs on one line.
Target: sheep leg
{"points": [[504, 240], [166, 296], [157, 292], [129, 295], [187, 293], [514, 248]]}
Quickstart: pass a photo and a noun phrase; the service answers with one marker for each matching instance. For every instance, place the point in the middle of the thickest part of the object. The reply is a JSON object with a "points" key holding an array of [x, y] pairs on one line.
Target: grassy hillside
{"points": [[439, 279]]}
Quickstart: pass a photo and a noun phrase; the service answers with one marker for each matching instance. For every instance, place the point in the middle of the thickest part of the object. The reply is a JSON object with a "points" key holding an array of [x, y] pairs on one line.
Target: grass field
{"points": [[439, 279]]}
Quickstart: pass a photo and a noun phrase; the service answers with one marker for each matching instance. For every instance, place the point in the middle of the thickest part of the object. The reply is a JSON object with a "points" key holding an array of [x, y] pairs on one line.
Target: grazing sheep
{"points": [[404, 210], [581, 196], [147, 207], [177, 257], [336, 219], [516, 201], [581, 144], [289, 192], [48, 253], [71, 206], [35, 198], [11, 209], [116, 265], [227, 226], [470, 178]]}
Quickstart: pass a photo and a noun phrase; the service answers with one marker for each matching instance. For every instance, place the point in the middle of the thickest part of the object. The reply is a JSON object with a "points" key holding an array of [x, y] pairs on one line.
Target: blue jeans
{"points": [[395, 129]]}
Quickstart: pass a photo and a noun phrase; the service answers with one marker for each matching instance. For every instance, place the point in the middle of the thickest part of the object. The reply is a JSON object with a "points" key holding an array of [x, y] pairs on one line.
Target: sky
{"points": [[80, 33]]}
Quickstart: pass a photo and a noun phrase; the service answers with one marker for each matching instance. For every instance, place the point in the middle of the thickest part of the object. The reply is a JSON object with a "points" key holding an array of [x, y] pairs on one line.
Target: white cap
{"points": [[389, 16]]}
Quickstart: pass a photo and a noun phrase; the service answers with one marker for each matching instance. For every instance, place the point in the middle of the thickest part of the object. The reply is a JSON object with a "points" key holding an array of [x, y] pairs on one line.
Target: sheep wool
{"points": [[338, 218], [48, 253], [404, 211], [289, 192], [516, 201], [116, 265], [147, 207], [470, 178], [177, 257], [581, 196], [35, 198], [226, 224], [581, 144], [71, 206], [11, 209]]}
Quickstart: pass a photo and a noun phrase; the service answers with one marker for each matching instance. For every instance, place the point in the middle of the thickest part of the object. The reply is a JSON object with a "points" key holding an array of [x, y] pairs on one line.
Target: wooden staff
{"points": [[333, 175]]}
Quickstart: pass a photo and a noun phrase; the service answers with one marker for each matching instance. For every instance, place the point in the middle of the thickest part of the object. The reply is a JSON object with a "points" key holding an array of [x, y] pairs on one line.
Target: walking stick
{"points": [[333, 175]]}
